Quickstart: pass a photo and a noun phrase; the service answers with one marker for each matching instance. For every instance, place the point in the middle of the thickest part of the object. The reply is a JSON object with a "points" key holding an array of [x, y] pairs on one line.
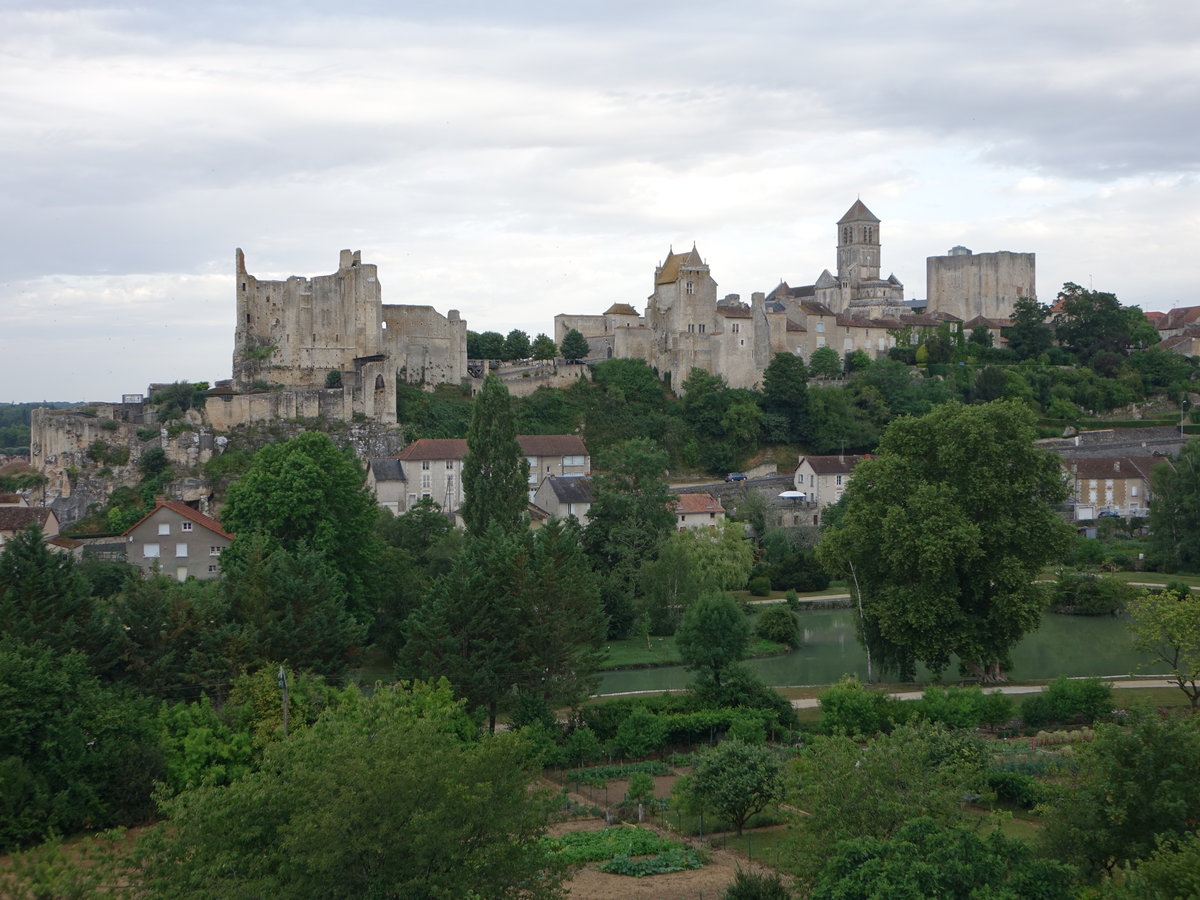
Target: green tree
{"points": [[173, 400], [1134, 784], [574, 345], [1171, 871], [516, 345], [543, 347], [490, 345], [43, 597], [872, 790], [630, 517], [713, 637], [1167, 627], [308, 492], [1029, 336], [292, 608], [74, 753], [721, 560], [785, 394], [924, 859], [323, 819], [944, 533], [667, 586], [825, 363], [495, 473], [1091, 322], [518, 613], [1175, 511], [736, 781]]}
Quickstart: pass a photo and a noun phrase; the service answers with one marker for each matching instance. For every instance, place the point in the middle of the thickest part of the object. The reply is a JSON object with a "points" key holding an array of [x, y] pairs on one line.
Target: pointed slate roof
{"points": [[858, 213]]}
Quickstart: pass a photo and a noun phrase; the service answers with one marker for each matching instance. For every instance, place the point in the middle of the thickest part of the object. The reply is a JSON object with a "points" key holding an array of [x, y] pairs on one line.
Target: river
{"points": [[1064, 645]]}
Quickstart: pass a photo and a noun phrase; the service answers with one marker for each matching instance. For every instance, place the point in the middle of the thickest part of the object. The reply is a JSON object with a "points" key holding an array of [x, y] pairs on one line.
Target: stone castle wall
{"points": [[979, 284]]}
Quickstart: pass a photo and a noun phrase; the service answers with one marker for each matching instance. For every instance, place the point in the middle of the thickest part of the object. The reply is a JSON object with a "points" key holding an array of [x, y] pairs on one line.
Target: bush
{"points": [[1090, 595], [756, 886], [641, 734], [964, 707], [581, 746], [760, 586], [1013, 787], [850, 708], [1068, 700], [778, 624]]}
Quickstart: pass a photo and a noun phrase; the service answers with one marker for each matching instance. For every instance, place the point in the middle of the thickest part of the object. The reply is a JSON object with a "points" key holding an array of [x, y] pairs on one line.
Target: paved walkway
{"points": [[813, 702]]}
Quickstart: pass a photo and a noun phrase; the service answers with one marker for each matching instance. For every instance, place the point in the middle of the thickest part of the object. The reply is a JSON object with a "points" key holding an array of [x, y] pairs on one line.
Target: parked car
{"points": [[735, 476]]}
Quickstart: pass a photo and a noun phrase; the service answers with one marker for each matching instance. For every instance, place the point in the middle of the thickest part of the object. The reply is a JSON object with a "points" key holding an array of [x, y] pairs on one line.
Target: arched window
{"points": [[379, 382]]}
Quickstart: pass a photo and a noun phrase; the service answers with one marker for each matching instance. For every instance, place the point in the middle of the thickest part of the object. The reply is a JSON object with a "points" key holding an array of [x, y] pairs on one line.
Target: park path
{"points": [[813, 702]]}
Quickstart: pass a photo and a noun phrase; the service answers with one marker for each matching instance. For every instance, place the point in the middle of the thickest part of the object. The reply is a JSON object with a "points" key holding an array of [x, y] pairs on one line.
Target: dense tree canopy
{"points": [[736, 780], [388, 797], [1175, 511], [495, 473], [945, 531], [307, 492]]}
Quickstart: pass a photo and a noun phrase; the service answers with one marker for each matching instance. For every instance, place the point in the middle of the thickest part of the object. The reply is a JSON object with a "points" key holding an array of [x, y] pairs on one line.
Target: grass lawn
{"points": [[632, 652]]}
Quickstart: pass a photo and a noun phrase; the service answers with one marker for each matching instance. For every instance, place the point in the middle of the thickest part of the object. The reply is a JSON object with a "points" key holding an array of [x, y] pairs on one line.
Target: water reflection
{"points": [[1064, 645]]}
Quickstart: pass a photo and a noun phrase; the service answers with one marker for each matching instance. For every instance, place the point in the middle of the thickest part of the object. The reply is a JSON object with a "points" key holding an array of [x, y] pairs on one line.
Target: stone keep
{"points": [[298, 331], [967, 284]]}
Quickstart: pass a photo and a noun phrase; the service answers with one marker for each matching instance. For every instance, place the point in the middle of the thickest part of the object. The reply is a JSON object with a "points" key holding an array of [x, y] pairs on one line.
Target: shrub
{"points": [[598, 776], [850, 708], [747, 730], [1090, 595], [641, 734], [760, 586], [1068, 700], [581, 746], [778, 624], [109, 425], [1023, 790], [756, 886], [959, 707]]}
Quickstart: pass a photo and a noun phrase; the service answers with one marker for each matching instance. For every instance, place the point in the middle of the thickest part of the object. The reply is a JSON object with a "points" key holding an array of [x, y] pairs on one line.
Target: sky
{"points": [[515, 160]]}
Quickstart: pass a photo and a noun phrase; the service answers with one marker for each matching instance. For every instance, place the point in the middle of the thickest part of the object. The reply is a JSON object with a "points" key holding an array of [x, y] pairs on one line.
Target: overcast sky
{"points": [[516, 160]]}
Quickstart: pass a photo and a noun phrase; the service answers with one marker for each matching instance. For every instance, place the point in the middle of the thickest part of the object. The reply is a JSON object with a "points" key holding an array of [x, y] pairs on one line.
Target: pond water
{"points": [[1064, 645]]}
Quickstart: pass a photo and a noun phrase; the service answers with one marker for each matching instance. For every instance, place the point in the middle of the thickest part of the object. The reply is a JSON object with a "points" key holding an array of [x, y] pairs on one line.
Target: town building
{"points": [[176, 540], [432, 468], [698, 511], [687, 326], [15, 518], [561, 496], [1112, 485], [822, 479]]}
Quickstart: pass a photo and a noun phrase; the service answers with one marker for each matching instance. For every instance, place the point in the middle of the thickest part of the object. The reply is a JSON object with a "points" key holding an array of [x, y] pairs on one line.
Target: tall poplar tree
{"points": [[495, 471]]}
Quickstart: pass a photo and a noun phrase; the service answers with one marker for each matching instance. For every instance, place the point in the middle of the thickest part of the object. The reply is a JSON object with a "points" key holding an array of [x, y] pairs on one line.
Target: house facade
{"points": [[698, 511], [15, 518], [822, 479], [176, 540], [1116, 485], [562, 496], [432, 467]]}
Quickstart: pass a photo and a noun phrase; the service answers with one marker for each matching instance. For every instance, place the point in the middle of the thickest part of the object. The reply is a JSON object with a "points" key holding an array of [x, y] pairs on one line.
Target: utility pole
{"points": [[283, 689]]}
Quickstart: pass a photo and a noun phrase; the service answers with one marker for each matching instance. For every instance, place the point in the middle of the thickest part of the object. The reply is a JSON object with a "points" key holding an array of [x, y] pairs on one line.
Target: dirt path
{"points": [[813, 702]]}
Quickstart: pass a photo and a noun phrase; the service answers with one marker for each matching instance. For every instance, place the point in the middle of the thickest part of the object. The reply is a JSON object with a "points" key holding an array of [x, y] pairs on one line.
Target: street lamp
{"points": [[1183, 405]]}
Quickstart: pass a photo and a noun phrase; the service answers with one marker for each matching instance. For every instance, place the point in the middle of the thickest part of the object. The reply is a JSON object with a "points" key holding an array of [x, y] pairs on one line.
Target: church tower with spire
{"points": [[858, 244], [857, 284]]}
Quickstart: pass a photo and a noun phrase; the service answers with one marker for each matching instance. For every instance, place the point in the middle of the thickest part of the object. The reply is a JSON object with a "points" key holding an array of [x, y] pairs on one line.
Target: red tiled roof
{"points": [[697, 503], [187, 512]]}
